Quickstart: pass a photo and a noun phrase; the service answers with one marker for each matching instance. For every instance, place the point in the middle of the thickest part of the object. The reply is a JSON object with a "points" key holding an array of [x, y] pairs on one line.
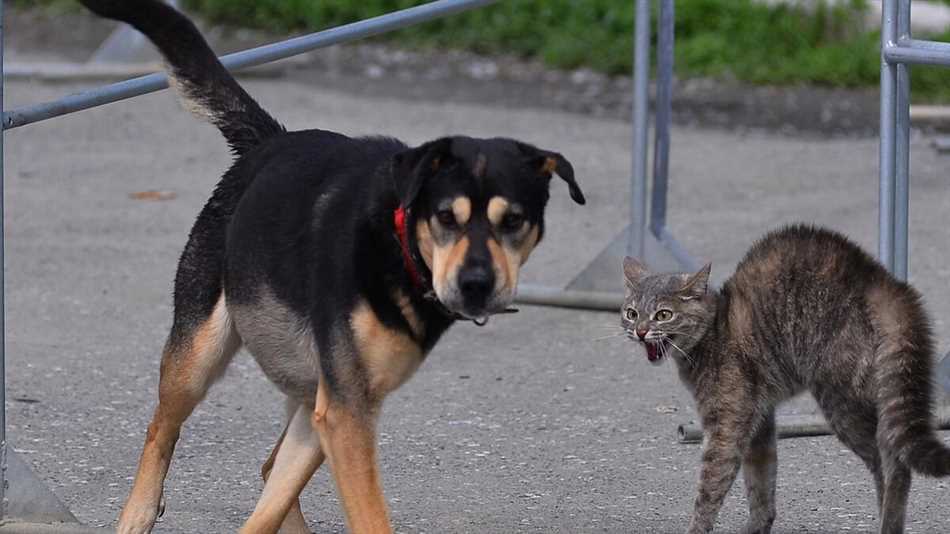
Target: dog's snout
{"points": [[476, 283]]}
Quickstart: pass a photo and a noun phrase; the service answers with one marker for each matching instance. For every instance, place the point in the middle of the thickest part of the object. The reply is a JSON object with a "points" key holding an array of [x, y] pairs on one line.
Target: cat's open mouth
{"points": [[655, 350]]}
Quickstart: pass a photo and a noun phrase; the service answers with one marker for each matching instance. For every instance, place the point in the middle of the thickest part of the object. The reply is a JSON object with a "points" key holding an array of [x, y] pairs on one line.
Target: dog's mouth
{"points": [[480, 315]]}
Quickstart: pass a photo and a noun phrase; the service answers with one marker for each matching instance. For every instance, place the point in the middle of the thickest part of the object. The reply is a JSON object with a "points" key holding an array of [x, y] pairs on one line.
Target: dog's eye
{"points": [[512, 222], [663, 315], [631, 314], [446, 218]]}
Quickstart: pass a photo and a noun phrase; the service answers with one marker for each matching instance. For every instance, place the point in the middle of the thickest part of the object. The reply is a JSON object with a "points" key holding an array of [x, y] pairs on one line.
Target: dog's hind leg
{"points": [[193, 358], [294, 522], [297, 456]]}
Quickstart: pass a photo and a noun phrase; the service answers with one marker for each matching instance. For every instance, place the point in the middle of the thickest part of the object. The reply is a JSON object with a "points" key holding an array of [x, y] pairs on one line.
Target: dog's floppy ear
{"points": [[411, 168], [547, 162]]}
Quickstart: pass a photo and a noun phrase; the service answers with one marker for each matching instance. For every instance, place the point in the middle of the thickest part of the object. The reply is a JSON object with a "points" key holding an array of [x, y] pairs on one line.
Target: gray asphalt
{"points": [[531, 424]]}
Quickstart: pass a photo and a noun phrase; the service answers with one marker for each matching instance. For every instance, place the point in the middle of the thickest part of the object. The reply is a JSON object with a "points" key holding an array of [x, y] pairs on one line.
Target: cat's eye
{"points": [[446, 218], [630, 314], [663, 315]]}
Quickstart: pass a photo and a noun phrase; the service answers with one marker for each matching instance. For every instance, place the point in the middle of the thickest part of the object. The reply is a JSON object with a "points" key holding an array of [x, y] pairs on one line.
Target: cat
{"points": [[806, 309]]}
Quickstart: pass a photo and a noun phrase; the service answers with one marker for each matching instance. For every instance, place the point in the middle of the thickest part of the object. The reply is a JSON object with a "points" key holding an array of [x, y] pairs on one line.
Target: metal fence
{"points": [[898, 51]]}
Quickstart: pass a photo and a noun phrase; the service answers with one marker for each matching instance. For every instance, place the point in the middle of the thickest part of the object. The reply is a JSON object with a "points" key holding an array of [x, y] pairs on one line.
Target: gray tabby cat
{"points": [[806, 309]]}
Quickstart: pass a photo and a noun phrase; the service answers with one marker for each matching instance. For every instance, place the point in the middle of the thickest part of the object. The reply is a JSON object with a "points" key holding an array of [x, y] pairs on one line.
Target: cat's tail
{"points": [[206, 88], [904, 385]]}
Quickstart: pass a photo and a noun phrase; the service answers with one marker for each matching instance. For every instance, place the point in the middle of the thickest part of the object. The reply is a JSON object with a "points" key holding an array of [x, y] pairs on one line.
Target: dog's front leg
{"points": [[348, 436], [298, 456]]}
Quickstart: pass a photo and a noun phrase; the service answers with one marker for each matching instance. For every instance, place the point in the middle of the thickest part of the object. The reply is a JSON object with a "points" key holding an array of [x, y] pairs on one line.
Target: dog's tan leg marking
{"points": [[349, 440], [298, 456], [294, 523], [389, 356], [188, 370]]}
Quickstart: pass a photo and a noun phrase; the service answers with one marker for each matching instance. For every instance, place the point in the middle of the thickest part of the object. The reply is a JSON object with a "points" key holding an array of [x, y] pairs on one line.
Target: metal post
{"points": [[888, 125], [641, 80], [902, 150], [661, 132]]}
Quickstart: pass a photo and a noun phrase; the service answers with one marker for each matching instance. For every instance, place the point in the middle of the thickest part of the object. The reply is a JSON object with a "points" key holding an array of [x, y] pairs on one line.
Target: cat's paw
{"points": [[759, 527]]}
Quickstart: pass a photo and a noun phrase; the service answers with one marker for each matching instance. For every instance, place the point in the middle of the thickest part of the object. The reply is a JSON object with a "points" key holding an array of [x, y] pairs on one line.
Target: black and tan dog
{"points": [[338, 263]]}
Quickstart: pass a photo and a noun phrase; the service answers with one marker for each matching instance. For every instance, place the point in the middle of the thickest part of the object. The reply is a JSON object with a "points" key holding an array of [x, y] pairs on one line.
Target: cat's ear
{"points": [[633, 271], [696, 284]]}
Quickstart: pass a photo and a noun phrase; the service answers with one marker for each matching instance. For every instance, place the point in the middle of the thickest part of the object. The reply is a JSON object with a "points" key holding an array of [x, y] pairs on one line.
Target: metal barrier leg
{"points": [[888, 127], [661, 153], [638, 178], [664, 108], [658, 248], [902, 150]]}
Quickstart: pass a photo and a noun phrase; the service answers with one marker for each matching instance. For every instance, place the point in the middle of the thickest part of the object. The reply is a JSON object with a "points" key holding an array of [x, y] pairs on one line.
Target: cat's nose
{"points": [[642, 333]]}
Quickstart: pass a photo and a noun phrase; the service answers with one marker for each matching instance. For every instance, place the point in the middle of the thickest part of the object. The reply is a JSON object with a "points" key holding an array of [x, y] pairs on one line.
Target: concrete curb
{"points": [[933, 116]]}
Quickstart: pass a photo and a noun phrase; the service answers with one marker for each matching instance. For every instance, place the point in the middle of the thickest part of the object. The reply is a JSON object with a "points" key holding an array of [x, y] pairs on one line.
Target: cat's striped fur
{"points": [[806, 310]]}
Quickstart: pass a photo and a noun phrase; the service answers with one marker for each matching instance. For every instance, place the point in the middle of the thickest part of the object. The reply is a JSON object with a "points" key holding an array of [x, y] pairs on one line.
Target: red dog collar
{"points": [[399, 220]]}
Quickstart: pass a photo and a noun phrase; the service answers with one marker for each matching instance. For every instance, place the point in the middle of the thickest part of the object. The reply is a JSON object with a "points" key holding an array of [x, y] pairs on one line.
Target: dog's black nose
{"points": [[476, 283]]}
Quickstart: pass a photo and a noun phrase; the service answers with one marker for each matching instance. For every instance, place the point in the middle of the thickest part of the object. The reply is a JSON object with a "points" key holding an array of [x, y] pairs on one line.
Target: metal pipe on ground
{"points": [[796, 426], [565, 298]]}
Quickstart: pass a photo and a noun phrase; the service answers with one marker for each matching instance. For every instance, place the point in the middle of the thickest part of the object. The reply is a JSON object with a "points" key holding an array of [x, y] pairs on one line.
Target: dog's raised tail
{"points": [[205, 87]]}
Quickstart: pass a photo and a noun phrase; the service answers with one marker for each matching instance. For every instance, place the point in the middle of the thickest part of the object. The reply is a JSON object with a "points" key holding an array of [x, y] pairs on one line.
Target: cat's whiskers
{"points": [[685, 355], [684, 334]]}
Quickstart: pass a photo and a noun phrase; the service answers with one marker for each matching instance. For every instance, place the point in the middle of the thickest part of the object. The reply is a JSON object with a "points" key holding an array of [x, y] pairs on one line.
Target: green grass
{"points": [[736, 39], [730, 39]]}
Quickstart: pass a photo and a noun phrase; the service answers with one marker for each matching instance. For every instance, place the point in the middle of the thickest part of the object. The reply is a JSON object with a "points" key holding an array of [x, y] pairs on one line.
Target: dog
{"points": [[338, 263]]}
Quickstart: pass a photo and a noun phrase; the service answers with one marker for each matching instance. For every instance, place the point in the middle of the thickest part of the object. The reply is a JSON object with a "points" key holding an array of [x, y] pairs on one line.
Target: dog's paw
{"points": [[138, 520]]}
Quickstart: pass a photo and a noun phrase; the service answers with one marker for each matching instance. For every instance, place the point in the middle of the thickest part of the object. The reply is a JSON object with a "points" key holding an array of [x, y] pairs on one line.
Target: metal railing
{"points": [[248, 58], [898, 51]]}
